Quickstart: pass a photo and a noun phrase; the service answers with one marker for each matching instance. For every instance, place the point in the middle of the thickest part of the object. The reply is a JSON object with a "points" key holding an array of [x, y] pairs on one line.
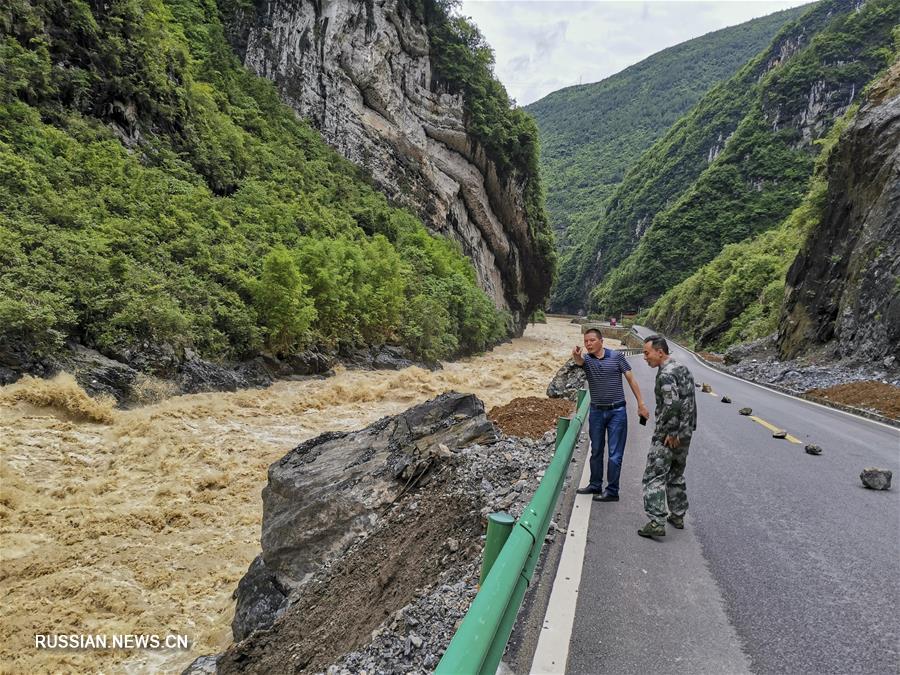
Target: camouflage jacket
{"points": [[676, 408]]}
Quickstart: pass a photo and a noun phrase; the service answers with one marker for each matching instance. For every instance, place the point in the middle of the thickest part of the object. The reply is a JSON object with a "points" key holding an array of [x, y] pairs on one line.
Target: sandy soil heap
{"points": [[877, 396], [530, 416]]}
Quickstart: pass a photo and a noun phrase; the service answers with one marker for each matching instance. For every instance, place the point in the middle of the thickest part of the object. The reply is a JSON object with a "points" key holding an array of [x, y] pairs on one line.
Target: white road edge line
{"points": [[552, 652], [781, 393]]}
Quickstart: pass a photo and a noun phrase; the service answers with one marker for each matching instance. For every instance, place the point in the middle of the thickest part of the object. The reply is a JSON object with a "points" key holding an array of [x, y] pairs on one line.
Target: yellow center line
{"points": [[773, 429], [712, 393]]}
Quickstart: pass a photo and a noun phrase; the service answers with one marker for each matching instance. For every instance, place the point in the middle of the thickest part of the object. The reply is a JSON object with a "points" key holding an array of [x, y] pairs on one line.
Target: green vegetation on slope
{"points": [[738, 295], [152, 191], [590, 134], [761, 173]]}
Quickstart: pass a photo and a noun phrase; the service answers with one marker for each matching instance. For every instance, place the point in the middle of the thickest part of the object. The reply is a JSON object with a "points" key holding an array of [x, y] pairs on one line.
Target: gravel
{"points": [[504, 475]]}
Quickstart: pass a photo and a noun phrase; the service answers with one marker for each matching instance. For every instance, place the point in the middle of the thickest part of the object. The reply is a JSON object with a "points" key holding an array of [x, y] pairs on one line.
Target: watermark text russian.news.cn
{"points": [[114, 641]]}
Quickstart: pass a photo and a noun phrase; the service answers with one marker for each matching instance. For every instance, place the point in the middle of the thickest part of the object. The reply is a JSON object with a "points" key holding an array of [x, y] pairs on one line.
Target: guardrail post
{"points": [[562, 426], [579, 398], [498, 529], [479, 642]]}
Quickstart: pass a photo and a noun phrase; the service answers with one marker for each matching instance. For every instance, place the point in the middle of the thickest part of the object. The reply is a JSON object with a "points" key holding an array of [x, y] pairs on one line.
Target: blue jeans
{"points": [[614, 424]]}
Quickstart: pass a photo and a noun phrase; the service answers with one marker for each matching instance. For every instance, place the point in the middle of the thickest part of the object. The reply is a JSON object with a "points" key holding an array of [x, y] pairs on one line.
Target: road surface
{"points": [[786, 564]]}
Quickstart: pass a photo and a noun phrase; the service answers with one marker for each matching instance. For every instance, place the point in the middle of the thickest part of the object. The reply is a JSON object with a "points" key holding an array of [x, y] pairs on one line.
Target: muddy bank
{"points": [[145, 523]]}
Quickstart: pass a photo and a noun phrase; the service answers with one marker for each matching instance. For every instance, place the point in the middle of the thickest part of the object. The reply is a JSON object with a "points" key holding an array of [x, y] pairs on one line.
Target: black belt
{"points": [[611, 406]]}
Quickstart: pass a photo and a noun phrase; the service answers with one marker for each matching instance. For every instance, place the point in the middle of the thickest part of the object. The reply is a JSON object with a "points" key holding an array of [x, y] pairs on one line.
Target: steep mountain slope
{"points": [[738, 295], [843, 289], [737, 164], [590, 134], [158, 202], [402, 88], [844, 286]]}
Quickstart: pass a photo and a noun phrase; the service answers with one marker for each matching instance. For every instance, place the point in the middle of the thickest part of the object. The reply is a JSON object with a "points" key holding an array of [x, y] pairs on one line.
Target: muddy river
{"points": [[143, 521]]}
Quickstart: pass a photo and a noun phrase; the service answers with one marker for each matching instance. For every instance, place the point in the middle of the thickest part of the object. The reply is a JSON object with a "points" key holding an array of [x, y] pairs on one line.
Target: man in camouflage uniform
{"points": [[676, 419]]}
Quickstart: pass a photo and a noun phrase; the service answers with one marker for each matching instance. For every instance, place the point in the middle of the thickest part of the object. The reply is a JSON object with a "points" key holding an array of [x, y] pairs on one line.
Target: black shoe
{"points": [[589, 491], [606, 498]]}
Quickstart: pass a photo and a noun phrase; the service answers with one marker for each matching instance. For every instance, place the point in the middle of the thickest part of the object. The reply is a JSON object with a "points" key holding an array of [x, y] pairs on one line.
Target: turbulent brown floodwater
{"points": [[143, 521]]}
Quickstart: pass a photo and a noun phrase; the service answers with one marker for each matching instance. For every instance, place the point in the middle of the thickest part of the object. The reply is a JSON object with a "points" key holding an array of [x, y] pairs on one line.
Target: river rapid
{"points": [[143, 522]]}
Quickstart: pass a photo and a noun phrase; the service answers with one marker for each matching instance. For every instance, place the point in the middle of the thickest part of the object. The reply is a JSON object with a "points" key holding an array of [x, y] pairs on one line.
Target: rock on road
{"points": [[787, 564]]}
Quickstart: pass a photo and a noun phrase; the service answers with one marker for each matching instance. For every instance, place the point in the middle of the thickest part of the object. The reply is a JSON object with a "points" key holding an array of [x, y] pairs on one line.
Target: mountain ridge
{"points": [[735, 164], [604, 126]]}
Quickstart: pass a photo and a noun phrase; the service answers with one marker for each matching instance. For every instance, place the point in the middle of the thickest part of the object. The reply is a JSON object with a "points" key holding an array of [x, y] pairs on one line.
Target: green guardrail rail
{"points": [[481, 638], [630, 351]]}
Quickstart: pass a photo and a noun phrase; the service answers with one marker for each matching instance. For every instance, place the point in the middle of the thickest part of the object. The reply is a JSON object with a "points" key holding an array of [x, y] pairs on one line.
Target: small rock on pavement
{"points": [[725, 399], [876, 479], [746, 411], [781, 433], [705, 388], [812, 449]]}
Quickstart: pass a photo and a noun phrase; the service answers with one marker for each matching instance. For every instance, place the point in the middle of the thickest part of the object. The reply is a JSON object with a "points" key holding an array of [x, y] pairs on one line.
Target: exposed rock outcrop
{"points": [[844, 286], [361, 73], [393, 599], [567, 381], [329, 491], [149, 372]]}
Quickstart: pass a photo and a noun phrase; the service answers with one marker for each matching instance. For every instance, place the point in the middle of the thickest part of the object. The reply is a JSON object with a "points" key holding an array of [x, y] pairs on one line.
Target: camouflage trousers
{"points": [[663, 483]]}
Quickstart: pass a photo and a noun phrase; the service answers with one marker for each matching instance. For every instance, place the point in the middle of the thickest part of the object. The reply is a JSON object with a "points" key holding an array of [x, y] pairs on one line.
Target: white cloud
{"points": [[545, 45]]}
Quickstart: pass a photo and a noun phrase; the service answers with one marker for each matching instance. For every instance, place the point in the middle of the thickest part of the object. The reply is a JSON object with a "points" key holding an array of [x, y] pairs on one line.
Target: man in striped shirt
{"points": [[604, 369]]}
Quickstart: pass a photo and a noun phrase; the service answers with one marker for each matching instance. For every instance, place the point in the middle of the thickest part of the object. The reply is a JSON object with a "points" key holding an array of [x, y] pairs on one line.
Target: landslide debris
{"points": [[869, 395], [388, 598], [531, 416]]}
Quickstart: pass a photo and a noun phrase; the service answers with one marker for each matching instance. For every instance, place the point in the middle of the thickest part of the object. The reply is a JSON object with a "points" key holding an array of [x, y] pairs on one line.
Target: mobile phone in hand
{"points": [[642, 420]]}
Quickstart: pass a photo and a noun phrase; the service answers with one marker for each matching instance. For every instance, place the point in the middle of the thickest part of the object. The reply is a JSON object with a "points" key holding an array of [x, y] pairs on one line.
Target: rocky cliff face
{"points": [[844, 286], [360, 72]]}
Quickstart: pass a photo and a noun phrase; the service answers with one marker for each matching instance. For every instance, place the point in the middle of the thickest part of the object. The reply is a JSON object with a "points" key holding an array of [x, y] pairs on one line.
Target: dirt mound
{"points": [[870, 395], [530, 417]]}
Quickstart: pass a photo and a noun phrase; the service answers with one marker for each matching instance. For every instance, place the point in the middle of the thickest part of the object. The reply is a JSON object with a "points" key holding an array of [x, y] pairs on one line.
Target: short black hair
{"points": [[658, 342], [594, 330]]}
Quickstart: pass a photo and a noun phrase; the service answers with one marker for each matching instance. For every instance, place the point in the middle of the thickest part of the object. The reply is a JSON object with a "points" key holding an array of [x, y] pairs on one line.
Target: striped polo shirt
{"points": [[604, 376]]}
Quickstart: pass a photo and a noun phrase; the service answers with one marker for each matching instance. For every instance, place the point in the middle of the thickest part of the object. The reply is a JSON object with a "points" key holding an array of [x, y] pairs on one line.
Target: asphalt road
{"points": [[786, 563]]}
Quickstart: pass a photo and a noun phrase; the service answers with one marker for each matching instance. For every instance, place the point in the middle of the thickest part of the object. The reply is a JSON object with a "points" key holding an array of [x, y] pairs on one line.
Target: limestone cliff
{"points": [[844, 286], [360, 71]]}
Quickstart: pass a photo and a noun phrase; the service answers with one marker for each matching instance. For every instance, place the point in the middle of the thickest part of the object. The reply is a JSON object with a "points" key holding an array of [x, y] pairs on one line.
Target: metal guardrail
{"points": [[630, 351], [481, 638]]}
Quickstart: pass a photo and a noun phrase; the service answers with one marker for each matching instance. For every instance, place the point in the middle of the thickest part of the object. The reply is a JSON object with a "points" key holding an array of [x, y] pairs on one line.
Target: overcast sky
{"points": [[545, 45]]}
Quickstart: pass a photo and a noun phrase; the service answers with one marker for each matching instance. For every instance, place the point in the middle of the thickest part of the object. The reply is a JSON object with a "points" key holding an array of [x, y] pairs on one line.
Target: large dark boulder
{"points": [[567, 381], [196, 375], [327, 492], [260, 599], [384, 357], [159, 359], [97, 374]]}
